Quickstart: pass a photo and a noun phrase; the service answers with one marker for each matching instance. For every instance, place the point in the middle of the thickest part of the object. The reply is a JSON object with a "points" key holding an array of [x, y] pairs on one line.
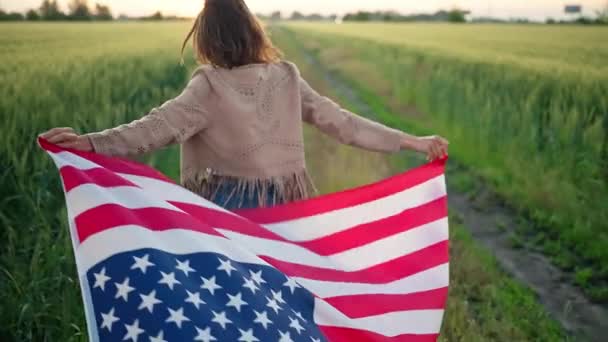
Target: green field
{"points": [[535, 131], [524, 107]]}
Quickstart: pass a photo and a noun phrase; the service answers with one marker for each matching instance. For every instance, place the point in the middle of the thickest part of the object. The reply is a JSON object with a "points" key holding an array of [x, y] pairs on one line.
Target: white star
{"points": [[142, 263], [272, 303], [278, 296], [292, 284], [159, 338], [184, 267], [204, 335], [299, 315], [257, 277], [210, 285], [226, 265], [315, 339], [133, 331], [236, 301], [108, 320], [148, 302], [250, 284], [177, 317], [195, 299], [247, 336], [122, 290], [169, 280], [262, 318], [101, 279], [295, 323], [285, 337], [221, 319]]}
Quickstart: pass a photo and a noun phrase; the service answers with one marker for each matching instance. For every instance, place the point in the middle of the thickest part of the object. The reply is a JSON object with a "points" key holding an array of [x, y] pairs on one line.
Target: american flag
{"points": [[159, 263]]}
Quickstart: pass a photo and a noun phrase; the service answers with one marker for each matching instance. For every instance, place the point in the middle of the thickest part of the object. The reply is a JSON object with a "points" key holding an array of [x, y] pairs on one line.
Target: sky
{"points": [[533, 9]]}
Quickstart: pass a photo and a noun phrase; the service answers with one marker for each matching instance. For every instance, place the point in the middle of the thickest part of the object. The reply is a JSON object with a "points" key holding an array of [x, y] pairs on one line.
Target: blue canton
{"points": [[150, 295]]}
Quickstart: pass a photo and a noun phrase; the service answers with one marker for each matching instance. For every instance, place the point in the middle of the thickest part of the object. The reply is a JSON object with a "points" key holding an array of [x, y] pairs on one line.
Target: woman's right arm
{"points": [[173, 122]]}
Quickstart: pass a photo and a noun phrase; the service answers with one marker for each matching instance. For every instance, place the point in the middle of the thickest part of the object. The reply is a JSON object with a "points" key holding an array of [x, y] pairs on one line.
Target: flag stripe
{"points": [[362, 234], [74, 177], [110, 216], [336, 221], [374, 253], [346, 199], [389, 271], [393, 323], [355, 237], [91, 196], [336, 334], [101, 246], [374, 304]]}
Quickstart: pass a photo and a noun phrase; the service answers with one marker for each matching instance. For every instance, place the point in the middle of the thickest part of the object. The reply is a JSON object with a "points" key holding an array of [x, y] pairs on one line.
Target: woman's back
{"points": [[241, 133]]}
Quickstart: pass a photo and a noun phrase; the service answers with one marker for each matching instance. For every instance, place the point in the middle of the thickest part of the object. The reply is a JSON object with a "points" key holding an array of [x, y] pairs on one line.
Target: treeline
{"points": [[454, 15], [78, 10]]}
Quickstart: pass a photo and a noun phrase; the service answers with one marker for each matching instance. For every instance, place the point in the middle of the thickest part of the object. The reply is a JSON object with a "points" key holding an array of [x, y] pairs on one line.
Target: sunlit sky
{"points": [[534, 9]]}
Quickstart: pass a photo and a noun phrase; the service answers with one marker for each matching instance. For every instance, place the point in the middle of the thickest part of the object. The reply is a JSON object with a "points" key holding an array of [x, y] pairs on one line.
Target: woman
{"points": [[239, 119]]}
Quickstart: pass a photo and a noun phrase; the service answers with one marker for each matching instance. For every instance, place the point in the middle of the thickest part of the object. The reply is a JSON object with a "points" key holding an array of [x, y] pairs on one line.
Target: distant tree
{"points": [[32, 15], [359, 16], [456, 16], [79, 10], [550, 21], [602, 15], [297, 16], [276, 15], [102, 12], [315, 17], [12, 16], [49, 10], [261, 16]]}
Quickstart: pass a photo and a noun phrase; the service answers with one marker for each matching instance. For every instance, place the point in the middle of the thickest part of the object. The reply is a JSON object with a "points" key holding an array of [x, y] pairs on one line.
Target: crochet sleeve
{"points": [[346, 127], [173, 122]]}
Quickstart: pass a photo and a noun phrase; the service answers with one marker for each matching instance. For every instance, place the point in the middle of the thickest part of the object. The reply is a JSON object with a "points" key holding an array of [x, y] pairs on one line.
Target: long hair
{"points": [[226, 34]]}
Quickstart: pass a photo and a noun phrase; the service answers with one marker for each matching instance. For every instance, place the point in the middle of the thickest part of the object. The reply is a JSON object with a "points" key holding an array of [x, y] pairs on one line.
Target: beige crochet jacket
{"points": [[244, 125]]}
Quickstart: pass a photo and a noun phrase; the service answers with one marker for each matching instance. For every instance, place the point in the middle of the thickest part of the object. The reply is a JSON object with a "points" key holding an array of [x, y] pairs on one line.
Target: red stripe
{"points": [[387, 272], [347, 198], [351, 238], [73, 177], [109, 216], [116, 164], [376, 304], [220, 219], [373, 231], [335, 334]]}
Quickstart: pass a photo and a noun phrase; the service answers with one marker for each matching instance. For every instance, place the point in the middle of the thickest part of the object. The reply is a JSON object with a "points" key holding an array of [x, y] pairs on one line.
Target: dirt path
{"points": [[491, 224]]}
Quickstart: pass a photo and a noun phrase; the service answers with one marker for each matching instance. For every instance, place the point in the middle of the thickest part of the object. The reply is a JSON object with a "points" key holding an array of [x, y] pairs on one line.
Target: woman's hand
{"points": [[66, 137], [435, 147]]}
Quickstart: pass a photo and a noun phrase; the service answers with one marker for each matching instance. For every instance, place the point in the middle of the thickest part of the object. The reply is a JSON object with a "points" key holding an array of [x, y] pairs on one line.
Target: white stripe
{"points": [[89, 196], [314, 227], [360, 258], [70, 159], [389, 324], [431, 279], [101, 246], [170, 192]]}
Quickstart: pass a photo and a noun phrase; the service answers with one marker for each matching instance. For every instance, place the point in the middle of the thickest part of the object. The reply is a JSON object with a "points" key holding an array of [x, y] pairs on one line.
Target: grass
{"points": [[89, 76], [523, 109], [484, 303]]}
